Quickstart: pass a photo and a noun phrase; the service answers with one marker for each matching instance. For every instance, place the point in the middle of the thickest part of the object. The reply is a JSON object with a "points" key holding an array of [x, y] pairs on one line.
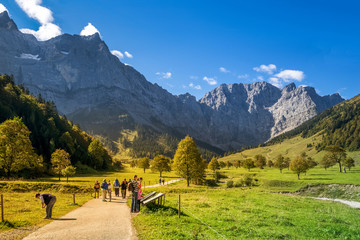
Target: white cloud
{"points": [[194, 77], [117, 54], [260, 78], [210, 81], [244, 76], [3, 8], [223, 70], [164, 75], [276, 82], [197, 87], [129, 55], [266, 68], [89, 30], [288, 75], [45, 32], [43, 15]]}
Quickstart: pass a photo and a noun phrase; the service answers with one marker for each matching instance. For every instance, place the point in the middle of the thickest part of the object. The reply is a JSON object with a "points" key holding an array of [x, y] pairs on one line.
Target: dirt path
{"points": [[352, 204], [166, 183], [94, 220]]}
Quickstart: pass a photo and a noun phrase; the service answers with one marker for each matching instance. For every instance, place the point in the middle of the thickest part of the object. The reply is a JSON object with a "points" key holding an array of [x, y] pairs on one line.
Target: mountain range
{"points": [[108, 98]]}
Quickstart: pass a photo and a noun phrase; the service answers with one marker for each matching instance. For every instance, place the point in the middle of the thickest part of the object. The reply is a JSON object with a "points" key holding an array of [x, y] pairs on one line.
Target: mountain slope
{"points": [[108, 98], [49, 131]]}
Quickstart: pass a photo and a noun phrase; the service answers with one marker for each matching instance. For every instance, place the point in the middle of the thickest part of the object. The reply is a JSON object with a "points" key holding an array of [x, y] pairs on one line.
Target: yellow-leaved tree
{"points": [[60, 159], [16, 150], [188, 162]]}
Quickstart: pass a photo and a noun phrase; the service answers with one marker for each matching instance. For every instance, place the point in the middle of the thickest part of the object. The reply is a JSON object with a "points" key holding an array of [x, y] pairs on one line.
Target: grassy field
{"points": [[259, 212]]}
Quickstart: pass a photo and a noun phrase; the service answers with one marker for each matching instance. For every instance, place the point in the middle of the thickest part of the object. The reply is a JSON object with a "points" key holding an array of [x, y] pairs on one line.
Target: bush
{"points": [[211, 183], [229, 184], [247, 180], [239, 183]]}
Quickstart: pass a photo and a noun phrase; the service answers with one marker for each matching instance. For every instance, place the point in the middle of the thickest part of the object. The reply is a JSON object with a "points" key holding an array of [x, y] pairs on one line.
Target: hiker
{"points": [[163, 180], [139, 195], [116, 185], [109, 189], [123, 188], [104, 189], [134, 189], [159, 181], [47, 200], [96, 189]]}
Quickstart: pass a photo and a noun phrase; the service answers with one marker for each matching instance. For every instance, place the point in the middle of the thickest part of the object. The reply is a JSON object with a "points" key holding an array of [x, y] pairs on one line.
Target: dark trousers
{"points": [[123, 193], [134, 201], [49, 207], [117, 192]]}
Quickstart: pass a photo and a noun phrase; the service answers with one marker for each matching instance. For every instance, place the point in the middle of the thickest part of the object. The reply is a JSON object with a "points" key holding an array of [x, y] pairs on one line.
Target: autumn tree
{"points": [[248, 164], [259, 161], [214, 165], [68, 172], [228, 164], [269, 163], [336, 154], [188, 162], [236, 164], [143, 163], [349, 163], [299, 165], [60, 159], [161, 164], [16, 151]]}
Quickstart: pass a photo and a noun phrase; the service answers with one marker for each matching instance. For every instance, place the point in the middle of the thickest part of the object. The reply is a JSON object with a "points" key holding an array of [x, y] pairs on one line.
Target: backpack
{"points": [[116, 183], [130, 187]]}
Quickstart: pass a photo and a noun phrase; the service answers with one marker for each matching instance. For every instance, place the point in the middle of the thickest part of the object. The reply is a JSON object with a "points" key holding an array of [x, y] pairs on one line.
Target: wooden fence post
{"points": [[179, 207], [74, 198], [2, 208]]}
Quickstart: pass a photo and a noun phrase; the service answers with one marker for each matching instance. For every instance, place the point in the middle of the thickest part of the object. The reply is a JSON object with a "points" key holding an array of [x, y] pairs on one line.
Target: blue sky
{"points": [[194, 46]]}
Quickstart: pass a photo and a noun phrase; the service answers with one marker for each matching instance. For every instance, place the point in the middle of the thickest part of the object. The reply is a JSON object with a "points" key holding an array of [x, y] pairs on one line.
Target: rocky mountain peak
{"points": [[6, 22], [290, 87]]}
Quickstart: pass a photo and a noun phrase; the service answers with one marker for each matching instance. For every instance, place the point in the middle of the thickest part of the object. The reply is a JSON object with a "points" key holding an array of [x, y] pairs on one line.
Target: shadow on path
{"points": [[64, 219]]}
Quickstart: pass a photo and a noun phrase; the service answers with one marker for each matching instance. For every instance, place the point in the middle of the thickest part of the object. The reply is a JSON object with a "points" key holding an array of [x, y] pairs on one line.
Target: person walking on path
{"points": [[139, 195], [47, 200], [96, 189], [109, 189], [104, 190], [123, 188], [116, 185], [159, 181], [163, 181], [134, 188]]}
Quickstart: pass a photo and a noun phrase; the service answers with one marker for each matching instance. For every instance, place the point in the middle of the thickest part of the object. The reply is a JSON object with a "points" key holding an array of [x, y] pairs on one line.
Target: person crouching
{"points": [[47, 200]]}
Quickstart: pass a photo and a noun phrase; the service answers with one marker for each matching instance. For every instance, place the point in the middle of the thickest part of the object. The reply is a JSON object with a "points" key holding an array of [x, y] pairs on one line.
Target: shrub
{"points": [[247, 180], [211, 183], [229, 184]]}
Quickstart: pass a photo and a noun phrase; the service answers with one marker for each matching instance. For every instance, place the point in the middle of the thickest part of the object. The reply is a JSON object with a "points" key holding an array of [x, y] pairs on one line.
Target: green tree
{"points": [[214, 164], [16, 151], [248, 164], [269, 163], [349, 163], [222, 164], [228, 164], [60, 159], [161, 164], [299, 165], [327, 161], [280, 162], [336, 154], [260, 161], [98, 154], [68, 172], [188, 162], [237, 164], [143, 163], [286, 163]]}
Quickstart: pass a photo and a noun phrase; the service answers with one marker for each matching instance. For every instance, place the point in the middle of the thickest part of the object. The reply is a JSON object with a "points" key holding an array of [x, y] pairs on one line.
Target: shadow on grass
{"points": [[317, 178], [161, 210]]}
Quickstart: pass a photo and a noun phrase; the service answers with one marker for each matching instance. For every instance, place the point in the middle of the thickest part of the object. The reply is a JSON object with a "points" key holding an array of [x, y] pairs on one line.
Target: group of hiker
{"points": [[107, 188]]}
